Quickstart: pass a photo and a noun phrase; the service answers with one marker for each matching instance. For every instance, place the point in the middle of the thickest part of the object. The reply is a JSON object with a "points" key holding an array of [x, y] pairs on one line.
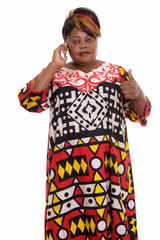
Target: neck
{"points": [[84, 66]]}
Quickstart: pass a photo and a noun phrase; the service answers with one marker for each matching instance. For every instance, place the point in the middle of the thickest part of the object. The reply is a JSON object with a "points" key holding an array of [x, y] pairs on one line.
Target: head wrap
{"points": [[85, 20]]}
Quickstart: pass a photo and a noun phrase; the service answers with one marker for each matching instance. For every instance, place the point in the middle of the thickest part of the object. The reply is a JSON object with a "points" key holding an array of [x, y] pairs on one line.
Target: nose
{"points": [[83, 44]]}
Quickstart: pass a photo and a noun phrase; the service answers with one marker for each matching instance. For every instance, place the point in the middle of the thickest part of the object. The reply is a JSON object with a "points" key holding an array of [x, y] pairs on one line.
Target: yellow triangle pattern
{"points": [[59, 221], [103, 238], [109, 162], [57, 209], [122, 216], [101, 212], [53, 187], [97, 177], [31, 104], [55, 199], [56, 148], [108, 220], [100, 199], [116, 144], [80, 142], [94, 148], [49, 237], [98, 189], [19, 92], [123, 155], [105, 139], [126, 146]]}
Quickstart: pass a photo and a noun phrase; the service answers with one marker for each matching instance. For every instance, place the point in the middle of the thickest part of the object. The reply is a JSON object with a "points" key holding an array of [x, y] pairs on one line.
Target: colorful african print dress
{"points": [[89, 188]]}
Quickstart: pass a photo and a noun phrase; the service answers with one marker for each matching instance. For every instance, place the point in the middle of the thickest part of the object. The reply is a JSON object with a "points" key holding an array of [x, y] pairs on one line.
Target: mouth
{"points": [[84, 54]]}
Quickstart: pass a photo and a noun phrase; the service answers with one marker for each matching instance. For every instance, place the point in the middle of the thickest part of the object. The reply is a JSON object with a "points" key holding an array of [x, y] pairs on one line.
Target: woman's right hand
{"points": [[43, 79], [57, 59]]}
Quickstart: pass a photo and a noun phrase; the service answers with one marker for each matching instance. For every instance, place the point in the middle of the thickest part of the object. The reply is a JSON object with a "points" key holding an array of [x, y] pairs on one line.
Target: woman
{"points": [[89, 190]]}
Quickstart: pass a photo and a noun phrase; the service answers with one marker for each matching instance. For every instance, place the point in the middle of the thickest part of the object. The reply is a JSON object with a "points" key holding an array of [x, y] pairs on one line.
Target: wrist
{"points": [[54, 65], [140, 94]]}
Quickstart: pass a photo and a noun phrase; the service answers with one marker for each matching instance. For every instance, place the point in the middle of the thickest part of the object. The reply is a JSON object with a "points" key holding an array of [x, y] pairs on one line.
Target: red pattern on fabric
{"points": [[87, 82], [89, 188]]}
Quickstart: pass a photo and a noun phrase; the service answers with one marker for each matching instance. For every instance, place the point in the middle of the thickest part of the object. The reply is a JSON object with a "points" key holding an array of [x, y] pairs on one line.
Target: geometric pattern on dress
{"points": [[81, 107], [81, 225], [132, 226], [103, 196], [72, 167], [32, 101], [89, 188], [84, 196], [88, 110], [93, 144]]}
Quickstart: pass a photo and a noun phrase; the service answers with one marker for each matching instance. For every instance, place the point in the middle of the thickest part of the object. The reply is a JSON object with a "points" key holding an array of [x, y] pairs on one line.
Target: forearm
{"points": [[43, 80], [139, 104]]}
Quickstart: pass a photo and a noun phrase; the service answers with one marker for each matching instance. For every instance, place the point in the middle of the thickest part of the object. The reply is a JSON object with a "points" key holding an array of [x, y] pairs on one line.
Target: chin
{"points": [[86, 60]]}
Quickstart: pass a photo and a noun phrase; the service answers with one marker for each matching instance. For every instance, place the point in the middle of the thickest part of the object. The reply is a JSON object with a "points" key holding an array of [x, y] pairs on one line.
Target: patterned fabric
{"points": [[89, 188]]}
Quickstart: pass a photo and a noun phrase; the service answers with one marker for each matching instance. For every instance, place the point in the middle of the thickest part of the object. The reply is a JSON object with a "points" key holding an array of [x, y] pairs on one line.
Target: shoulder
{"points": [[115, 72], [119, 68]]}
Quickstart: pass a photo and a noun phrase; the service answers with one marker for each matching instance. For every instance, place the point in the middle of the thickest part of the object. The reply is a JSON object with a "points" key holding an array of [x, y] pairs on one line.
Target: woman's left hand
{"points": [[130, 89]]}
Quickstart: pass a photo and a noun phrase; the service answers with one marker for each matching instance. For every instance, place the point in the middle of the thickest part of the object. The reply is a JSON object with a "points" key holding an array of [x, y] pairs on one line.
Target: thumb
{"points": [[130, 75]]}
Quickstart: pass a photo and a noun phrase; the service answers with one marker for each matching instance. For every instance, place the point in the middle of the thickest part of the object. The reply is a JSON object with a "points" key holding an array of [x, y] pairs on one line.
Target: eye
{"points": [[75, 41], [89, 39]]}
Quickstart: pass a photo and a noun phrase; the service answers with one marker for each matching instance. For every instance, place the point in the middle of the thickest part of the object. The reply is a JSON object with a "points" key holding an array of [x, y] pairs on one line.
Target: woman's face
{"points": [[82, 47]]}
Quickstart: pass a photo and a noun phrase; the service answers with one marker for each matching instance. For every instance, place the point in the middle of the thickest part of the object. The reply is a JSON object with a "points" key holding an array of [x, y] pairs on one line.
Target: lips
{"points": [[83, 54]]}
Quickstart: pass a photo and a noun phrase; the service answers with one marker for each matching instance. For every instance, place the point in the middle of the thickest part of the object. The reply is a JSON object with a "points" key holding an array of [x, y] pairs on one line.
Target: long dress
{"points": [[89, 188]]}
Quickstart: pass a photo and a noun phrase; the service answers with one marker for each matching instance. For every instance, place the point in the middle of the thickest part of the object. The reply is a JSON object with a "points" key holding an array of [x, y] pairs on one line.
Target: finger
{"points": [[130, 75], [61, 50], [64, 46], [125, 92], [125, 85], [65, 58], [127, 96], [130, 71], [64, 52]]}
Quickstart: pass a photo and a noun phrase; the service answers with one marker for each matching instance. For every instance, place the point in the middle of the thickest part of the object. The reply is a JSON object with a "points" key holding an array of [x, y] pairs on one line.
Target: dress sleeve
{"points": [[129, 110], [34, 101], [131, 113]]}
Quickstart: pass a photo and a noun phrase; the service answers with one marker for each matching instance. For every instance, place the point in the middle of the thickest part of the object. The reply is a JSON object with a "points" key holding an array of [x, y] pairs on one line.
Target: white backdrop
{"points": [[30, 31]]}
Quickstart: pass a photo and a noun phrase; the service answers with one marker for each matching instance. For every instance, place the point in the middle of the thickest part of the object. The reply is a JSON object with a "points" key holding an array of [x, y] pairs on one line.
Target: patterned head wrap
{"points": [[85, 20]]}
